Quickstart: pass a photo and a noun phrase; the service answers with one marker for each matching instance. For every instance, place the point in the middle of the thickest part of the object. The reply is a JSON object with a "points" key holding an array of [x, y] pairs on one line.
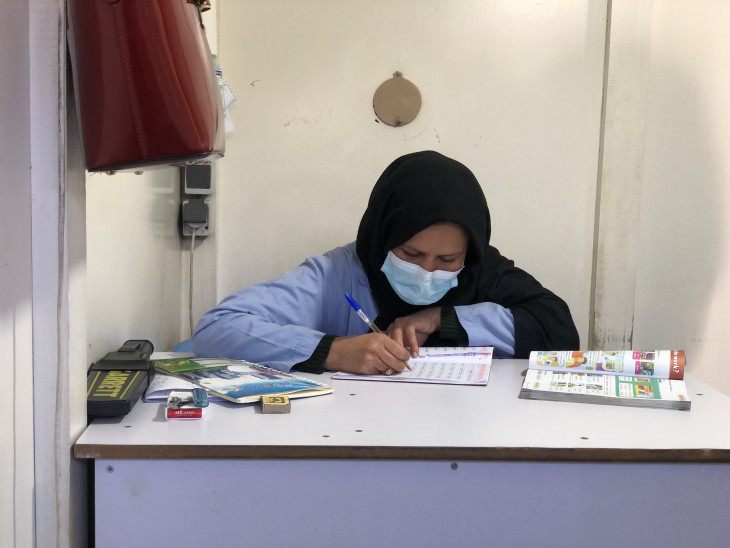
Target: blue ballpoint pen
{"points": [[357, 308]]}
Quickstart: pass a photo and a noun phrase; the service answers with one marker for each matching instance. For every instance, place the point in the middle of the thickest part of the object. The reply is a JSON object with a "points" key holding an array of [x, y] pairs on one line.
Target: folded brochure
{"points": [[162, 385], [651, 378], [239, 381]]}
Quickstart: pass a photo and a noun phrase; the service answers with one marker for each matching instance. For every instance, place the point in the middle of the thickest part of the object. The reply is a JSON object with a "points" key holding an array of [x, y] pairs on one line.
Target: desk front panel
{"points": [[400, 503]]}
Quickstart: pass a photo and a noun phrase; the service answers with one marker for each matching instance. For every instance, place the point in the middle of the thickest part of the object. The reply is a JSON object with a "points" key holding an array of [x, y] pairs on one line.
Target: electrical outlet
{"points": [[194, 214], [196, 179]]}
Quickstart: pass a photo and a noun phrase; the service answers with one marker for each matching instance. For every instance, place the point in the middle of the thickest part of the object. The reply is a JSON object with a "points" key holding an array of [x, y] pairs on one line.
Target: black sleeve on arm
{"points": [[315, 362], [542, 319], [544, 324], [451, 328]]}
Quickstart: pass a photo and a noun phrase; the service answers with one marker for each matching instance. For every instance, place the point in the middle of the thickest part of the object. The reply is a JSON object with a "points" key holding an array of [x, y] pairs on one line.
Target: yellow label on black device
{"points": [[112, 384]]}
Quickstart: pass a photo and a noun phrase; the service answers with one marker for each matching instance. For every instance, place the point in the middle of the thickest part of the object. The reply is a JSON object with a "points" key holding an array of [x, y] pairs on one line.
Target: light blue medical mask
{"points": [[415, 285]]}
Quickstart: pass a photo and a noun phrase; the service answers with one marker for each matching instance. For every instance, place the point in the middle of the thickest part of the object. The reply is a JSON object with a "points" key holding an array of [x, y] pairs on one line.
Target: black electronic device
{"points": [[115, 382]]}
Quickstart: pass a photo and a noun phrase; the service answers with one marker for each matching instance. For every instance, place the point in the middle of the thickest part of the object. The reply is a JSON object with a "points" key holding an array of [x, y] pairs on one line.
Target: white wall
{"points": [[134, 258], [683, 286], [75, 337], [513, 92], [618, 207], [511, 89], [42, 263], [16, 422]]}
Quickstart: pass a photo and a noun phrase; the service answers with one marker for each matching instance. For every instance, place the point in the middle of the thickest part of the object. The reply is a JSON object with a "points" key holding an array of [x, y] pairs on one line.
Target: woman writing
{"points": [[421, 265]]}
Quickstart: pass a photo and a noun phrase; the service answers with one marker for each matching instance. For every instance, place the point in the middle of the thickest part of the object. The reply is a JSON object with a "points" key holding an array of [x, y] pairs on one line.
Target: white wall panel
{"points": [[134, 257], [511, 89], [16, 318], [683, 285]]}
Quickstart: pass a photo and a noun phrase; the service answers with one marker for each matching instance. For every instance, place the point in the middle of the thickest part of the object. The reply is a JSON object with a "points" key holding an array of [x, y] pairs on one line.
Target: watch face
{"points": [[397, 101]]}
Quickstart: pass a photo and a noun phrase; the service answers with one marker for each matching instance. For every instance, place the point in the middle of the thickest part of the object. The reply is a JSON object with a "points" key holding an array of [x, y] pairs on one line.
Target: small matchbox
{"points": [[275, 404]]}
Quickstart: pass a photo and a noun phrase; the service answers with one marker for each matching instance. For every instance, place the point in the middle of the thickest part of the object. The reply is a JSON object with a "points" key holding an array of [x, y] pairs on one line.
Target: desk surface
{"points": [[398, 421]]}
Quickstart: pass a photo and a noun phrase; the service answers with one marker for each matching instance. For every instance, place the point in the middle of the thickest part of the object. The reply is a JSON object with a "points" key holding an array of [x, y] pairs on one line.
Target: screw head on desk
{"points": [[110, 468]]}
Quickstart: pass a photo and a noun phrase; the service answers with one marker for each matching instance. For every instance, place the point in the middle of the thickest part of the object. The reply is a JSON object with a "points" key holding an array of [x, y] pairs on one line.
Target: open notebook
{"points": [[468, 365]]}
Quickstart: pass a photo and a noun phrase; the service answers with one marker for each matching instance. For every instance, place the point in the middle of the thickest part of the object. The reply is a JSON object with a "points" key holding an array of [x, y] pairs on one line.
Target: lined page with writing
{"points": [[440, 365]]}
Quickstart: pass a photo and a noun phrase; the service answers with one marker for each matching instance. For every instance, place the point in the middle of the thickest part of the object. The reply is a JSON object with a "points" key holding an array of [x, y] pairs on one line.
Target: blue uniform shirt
{"points": [[279, 323]]}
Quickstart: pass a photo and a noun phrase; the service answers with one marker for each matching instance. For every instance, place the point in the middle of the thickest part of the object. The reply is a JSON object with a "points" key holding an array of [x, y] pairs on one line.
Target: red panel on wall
{"points": [[145, 86]]}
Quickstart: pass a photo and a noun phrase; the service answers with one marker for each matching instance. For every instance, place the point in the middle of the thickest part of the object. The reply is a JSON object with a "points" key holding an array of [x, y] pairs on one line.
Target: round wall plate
{"points": [[397, 101]]}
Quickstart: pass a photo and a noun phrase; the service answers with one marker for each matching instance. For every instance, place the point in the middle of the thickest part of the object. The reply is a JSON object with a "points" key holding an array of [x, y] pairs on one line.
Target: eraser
{"points": [[184, 413], [183, 405], [275, 404]]}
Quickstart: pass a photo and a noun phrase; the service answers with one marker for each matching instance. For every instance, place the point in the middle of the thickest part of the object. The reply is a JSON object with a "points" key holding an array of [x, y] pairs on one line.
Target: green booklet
{"points": [[239, 381]]}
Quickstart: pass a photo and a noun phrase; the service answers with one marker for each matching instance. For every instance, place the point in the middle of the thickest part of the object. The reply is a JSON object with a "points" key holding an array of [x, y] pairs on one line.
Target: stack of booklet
{"points": [[232, 380], [626, 377]]}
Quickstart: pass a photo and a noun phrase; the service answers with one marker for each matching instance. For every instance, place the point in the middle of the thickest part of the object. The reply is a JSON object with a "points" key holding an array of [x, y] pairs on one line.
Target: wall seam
{"points": [[599, 180]]}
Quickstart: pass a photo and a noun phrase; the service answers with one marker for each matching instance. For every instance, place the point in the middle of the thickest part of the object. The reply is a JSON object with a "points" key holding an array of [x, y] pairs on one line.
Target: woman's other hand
{"points": [[413, 330]]}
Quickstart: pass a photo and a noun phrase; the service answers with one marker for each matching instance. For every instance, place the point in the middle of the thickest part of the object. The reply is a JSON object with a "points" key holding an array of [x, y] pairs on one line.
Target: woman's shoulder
{"points": [[339, 259], [336, 268], [343, 252], [338, 256]]}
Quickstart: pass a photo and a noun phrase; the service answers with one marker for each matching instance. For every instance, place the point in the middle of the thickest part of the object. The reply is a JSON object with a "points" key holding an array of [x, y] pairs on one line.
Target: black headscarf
{"points": [[424, 188], [413, 193]]}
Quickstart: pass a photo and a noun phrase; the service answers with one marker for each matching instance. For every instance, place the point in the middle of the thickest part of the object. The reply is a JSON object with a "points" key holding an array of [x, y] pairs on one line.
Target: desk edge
{"points": [[548, 454]]}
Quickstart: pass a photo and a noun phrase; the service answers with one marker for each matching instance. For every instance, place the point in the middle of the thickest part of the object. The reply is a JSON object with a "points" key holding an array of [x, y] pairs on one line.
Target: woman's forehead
{"points": [[444, 238]]}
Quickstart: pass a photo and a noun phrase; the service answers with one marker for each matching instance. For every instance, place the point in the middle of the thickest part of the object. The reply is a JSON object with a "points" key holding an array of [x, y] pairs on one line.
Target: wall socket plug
{"points": [[194, 214]]}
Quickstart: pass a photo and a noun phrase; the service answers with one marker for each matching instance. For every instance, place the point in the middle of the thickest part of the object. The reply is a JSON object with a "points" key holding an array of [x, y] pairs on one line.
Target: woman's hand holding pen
{"points": [[369, 354], [384, 353], [413, 330]]}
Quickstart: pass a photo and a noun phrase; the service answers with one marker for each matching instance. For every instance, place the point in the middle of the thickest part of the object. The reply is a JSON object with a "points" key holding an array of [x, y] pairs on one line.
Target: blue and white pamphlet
{"points": [[239, 381]]}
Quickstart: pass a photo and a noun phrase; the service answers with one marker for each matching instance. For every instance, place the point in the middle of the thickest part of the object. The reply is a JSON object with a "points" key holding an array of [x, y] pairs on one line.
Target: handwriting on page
{"points": [[440, 365]]}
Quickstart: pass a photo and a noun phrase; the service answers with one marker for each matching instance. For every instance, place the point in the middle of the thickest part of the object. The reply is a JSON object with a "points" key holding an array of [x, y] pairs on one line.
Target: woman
{"points": [[421, 265]]}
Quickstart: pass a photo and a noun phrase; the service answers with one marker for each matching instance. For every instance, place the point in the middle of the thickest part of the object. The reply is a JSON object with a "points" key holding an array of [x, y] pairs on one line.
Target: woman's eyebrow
{"points": [[414, 250], [409, 249]]}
